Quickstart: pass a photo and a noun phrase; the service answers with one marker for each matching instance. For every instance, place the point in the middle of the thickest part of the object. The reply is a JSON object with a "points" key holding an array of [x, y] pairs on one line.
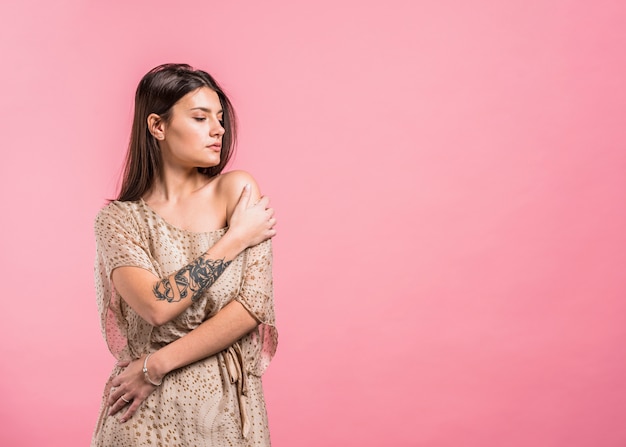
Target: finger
{"points": [[132, 408], [113, 400], [123, 364], [244, 198], [115, 395], [117, 406], [120, 403], [263, 202]]}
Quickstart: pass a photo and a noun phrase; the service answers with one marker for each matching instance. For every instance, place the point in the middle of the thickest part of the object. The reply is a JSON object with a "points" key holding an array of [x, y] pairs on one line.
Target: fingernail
{"points": [[247, 186]]}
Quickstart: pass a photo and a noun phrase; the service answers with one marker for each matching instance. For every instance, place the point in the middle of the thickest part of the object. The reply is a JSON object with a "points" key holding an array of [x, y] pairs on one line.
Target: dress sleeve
{"points": [[257, 296], [119, 242]]}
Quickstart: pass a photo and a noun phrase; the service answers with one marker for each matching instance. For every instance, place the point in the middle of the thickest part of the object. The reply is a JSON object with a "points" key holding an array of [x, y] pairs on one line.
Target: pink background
{"points": [[450, 179]]}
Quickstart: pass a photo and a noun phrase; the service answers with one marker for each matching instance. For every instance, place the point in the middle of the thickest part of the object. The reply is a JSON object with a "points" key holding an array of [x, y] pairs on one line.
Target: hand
{"points": [[131, 386], [252, 224]]}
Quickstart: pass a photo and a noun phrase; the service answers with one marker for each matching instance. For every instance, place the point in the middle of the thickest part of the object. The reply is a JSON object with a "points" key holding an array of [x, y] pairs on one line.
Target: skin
{"points": [[191, 138]]}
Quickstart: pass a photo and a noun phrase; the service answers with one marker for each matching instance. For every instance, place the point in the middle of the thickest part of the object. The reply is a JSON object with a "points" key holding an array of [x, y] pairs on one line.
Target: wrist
{"points": [[229, 246], [153, 368]]}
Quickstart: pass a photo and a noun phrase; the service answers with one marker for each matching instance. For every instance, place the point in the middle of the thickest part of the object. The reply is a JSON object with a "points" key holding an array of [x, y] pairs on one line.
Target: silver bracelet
{"points": [[145, 372]]}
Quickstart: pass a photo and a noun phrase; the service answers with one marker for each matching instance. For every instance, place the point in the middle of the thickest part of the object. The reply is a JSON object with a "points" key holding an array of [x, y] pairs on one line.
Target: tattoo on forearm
{"points": [[191, 279], [163, 290]]}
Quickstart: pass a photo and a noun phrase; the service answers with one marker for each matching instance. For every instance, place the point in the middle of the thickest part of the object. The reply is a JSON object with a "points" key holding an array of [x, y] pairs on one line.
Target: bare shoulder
{"points": [[230, 186]]}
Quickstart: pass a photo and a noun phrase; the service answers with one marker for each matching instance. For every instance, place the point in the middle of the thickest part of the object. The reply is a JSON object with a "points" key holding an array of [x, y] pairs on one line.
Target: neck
{"points": [[175, 185]]}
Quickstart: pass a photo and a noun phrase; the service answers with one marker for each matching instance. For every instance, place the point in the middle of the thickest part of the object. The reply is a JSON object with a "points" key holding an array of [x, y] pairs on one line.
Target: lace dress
{"points": [[217, 401]]}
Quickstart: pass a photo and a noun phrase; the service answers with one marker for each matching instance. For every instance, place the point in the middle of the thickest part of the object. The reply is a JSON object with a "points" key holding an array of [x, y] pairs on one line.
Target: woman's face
{"points": [[192, 138]]}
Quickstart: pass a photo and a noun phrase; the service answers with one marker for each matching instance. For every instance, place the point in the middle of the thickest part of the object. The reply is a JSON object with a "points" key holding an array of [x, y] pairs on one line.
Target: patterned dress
{"points": [[217, 401]]}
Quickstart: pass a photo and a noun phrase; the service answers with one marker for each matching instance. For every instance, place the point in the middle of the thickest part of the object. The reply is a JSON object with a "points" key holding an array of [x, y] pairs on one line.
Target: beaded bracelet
{"points": [[145, 372]]}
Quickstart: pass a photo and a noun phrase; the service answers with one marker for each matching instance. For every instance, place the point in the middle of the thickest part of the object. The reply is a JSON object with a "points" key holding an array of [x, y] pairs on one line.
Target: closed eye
{"points": [[200, 118]]}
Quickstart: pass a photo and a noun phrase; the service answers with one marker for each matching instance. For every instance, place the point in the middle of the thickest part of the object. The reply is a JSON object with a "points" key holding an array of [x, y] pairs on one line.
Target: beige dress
{"points": [[217, 401]]}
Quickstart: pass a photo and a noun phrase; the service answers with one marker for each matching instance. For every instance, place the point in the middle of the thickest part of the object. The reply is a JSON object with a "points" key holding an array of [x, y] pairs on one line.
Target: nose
{"points": [[217, 130]]}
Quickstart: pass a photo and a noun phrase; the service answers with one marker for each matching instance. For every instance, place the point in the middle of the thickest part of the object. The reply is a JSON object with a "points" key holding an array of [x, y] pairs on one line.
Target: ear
{"points": [[156, 126]]}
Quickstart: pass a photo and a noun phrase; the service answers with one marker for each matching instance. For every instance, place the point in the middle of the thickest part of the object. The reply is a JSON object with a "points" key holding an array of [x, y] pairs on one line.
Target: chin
{"points": [[208, 164]]}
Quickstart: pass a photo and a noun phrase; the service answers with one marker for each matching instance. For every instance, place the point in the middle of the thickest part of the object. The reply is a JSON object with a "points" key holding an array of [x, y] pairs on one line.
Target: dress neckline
{"points": [[174, 227]]}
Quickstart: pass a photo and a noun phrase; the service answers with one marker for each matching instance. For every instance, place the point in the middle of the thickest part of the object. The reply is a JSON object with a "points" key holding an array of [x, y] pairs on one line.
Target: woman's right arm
{"points": [[159, 300]]}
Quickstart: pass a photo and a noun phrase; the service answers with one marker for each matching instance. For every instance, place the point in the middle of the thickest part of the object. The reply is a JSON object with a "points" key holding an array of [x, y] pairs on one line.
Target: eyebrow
{"points": [[204, 109]]}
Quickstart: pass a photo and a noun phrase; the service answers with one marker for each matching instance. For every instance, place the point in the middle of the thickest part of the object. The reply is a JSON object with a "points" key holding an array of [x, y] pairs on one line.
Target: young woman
{"points": [[184, 277]]}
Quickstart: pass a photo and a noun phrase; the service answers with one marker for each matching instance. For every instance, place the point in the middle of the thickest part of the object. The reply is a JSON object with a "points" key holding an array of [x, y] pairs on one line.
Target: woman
{"points": [[183, 277]]}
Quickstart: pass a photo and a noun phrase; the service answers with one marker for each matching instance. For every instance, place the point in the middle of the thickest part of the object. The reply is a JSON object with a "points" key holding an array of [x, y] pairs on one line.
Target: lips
{"points": [[216, 147]]}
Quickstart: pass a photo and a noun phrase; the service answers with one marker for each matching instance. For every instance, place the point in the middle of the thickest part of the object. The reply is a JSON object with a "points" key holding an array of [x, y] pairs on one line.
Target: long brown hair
{"points": [[157, 92]]}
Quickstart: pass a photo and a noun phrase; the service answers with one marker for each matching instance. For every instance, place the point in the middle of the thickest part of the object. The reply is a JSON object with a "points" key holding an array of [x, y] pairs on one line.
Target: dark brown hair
{"points": [[157, 92]]}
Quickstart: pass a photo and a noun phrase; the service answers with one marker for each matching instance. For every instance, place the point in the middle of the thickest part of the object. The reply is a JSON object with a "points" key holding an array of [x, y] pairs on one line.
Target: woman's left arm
{"points": [[227, 326]]}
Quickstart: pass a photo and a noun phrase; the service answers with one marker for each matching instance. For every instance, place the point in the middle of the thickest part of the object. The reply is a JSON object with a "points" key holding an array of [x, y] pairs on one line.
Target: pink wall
{"points": [[450, 179]]}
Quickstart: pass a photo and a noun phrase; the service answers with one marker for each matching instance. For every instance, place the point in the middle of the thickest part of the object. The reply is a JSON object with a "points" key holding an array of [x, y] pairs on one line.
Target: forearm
{"points": [[214, 335], [159, 301], [191, 280]]}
